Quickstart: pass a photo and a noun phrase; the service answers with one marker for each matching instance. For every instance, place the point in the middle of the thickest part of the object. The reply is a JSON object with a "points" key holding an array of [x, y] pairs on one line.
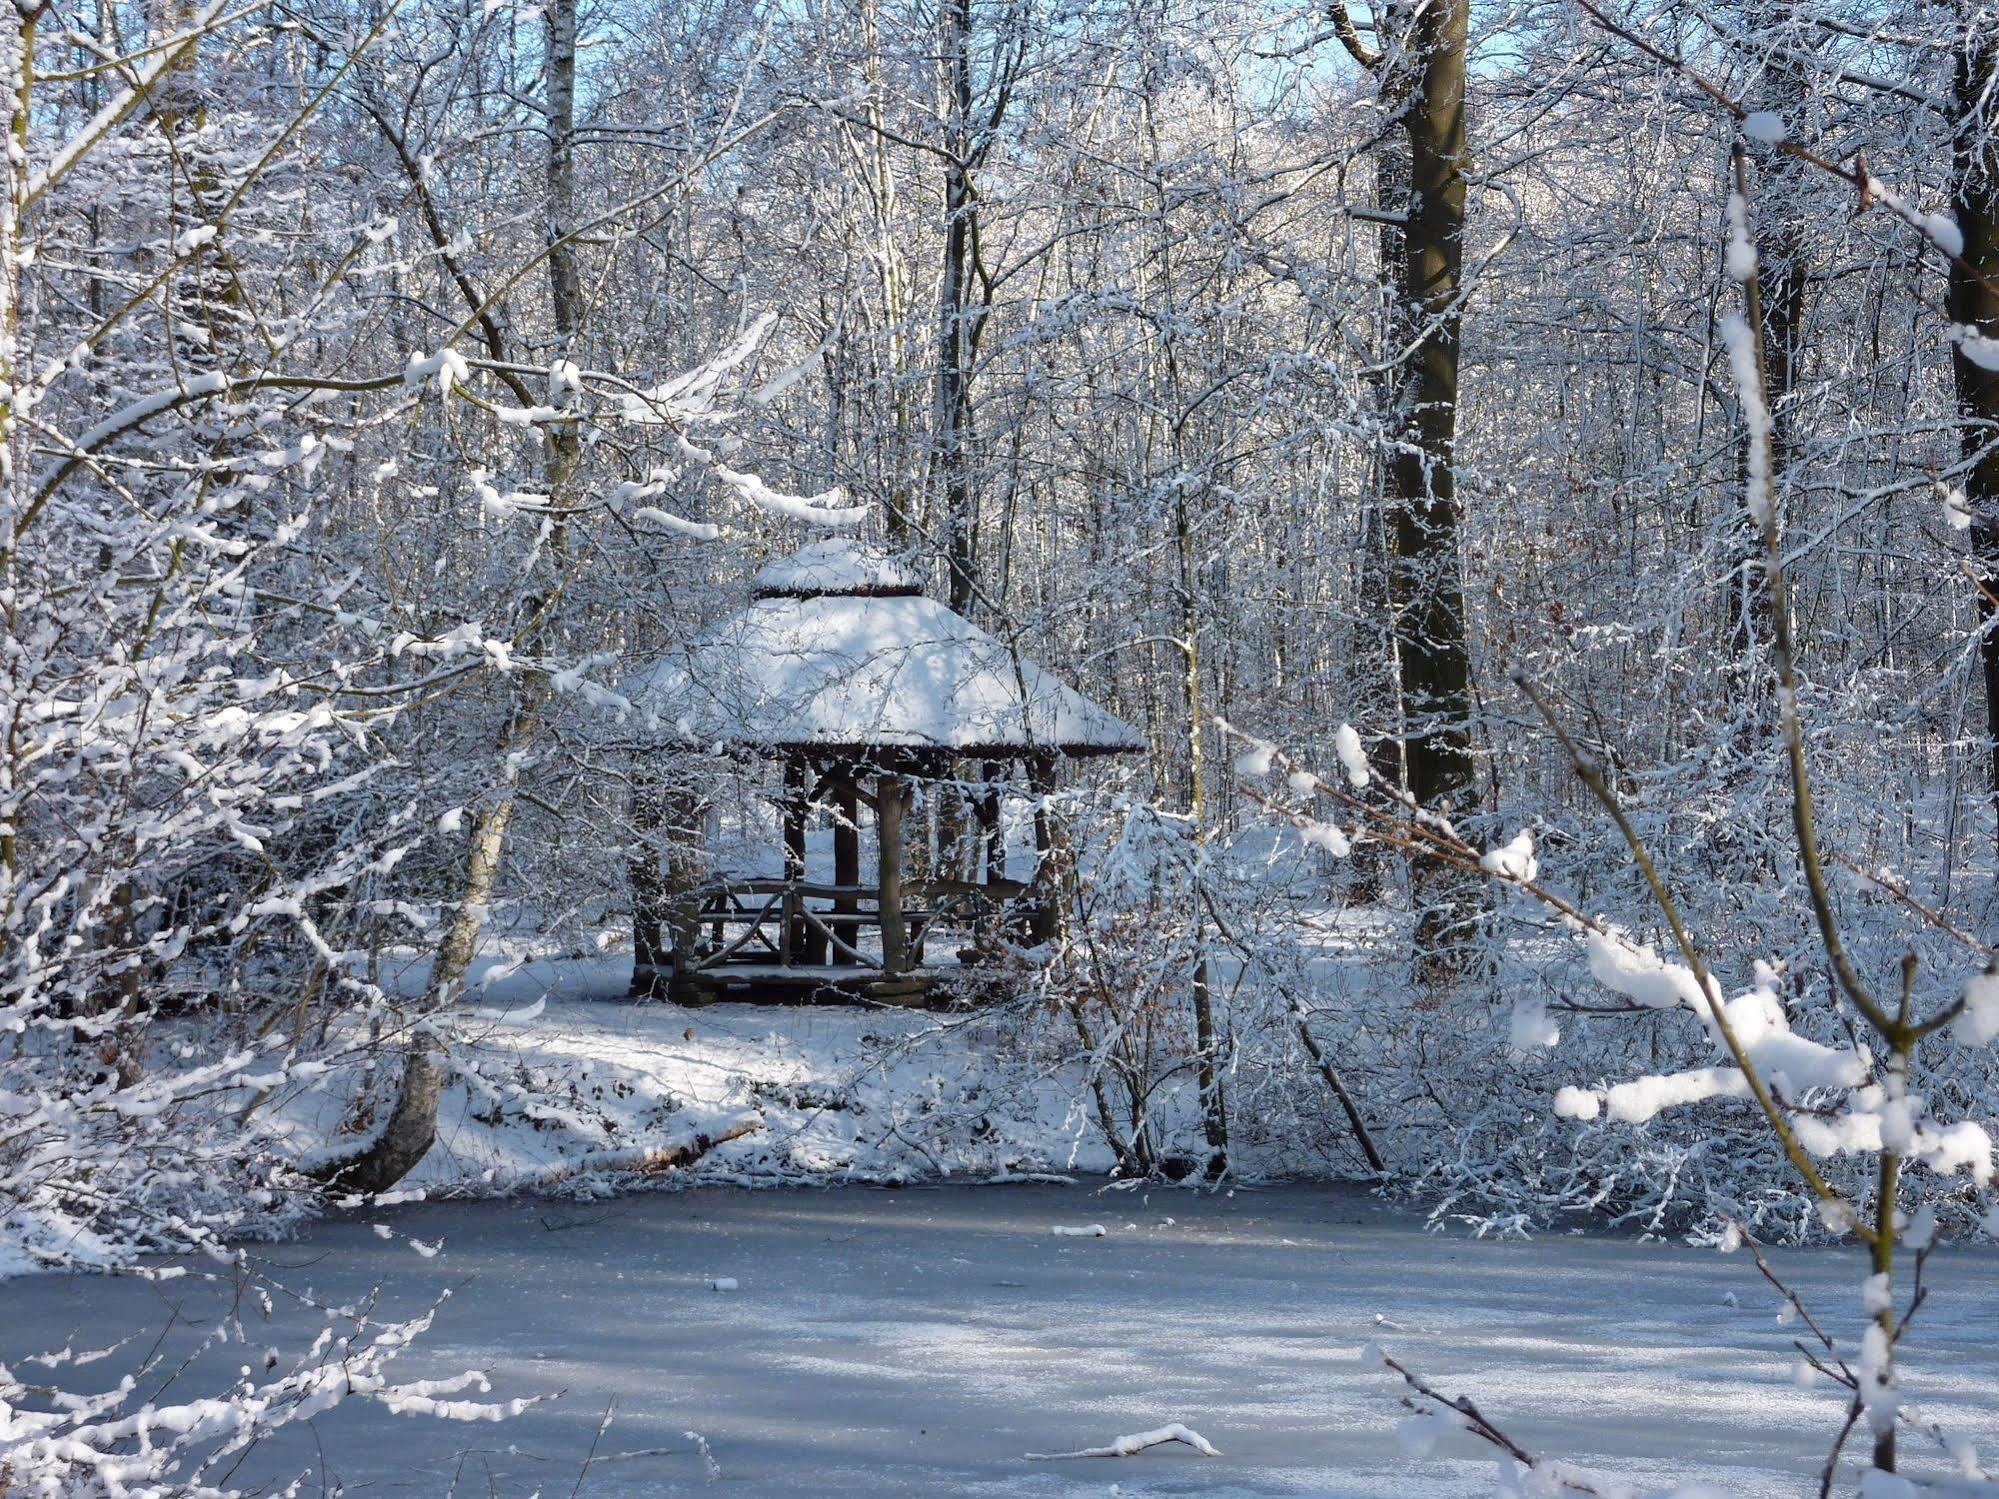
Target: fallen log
{"points": [[647, 1160]]}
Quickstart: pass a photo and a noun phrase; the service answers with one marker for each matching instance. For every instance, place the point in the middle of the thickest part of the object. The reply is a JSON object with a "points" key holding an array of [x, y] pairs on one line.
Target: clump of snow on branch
{"points": [[1765, 128], [1513, 860], [1978, 1022], [1979, 348], [1353, 758]]}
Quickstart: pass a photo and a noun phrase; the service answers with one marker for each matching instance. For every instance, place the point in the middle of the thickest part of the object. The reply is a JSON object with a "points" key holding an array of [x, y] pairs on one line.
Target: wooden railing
{"points": [[806, 923]]}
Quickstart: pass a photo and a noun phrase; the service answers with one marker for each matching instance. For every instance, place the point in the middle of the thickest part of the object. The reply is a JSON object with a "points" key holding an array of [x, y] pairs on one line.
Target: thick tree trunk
{"points": [[957, 338], [411, 1128], [894, 313], [405, 1139], [652, 947], [1419, 59], [565, 273], [665, 871], [1377, 671], [207, 298], [1426, 592], [482, 871]]}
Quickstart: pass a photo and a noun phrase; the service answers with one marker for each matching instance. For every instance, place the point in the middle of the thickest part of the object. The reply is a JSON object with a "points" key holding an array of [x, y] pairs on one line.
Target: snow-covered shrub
{"points": [[1122, 974], [197, 820], [1151, 913]]}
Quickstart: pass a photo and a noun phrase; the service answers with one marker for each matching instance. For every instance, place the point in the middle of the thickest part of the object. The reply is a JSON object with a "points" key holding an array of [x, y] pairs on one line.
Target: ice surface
{"points": [[918, 1342]]}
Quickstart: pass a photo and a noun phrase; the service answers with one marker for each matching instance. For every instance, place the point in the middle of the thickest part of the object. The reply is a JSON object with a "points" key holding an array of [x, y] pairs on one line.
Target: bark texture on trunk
{"points": [[665, 870], [955, 326], [1974, 304], [1781, 232], [1426, 591], [1422, 81]]}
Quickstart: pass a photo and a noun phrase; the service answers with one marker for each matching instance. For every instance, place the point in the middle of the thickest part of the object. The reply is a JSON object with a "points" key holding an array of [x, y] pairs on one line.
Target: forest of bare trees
{"points": [[1528, 472]]}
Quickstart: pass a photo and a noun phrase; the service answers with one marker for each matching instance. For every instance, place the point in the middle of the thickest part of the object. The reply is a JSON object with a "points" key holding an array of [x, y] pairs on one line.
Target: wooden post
{"points": [[652, 945], [1050, 875], [989, 823], [802, 941], [916, 865], [795, 810], [889, 804], [846, 854]]}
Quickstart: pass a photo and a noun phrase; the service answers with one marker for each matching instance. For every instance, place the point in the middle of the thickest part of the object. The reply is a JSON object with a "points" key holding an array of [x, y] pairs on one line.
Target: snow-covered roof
{"points": [[854, 671], [839, 564]]}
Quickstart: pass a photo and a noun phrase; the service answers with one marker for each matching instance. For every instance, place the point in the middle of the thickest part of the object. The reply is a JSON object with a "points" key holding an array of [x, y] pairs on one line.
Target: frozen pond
{"points": [[920, 1342]]}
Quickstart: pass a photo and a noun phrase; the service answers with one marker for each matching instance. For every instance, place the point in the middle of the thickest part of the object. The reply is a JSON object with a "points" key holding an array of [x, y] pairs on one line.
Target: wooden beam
{"points": [[831, 781]]}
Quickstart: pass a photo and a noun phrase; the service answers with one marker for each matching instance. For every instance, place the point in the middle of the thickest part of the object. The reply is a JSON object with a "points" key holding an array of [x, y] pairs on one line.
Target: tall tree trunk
{"points": [[956, 339], [1426, 589], [1376, 680], [17, 54], [1422, 82], [561, 455], [954, 312], [1207, 1041], [1188, 459], [412, 1124], [1782, 247], [1973, 304], [180, 111]]}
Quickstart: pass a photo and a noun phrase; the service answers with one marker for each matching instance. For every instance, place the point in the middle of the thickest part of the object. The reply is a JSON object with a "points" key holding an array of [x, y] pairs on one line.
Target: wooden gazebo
{"points": [[860, 685]]}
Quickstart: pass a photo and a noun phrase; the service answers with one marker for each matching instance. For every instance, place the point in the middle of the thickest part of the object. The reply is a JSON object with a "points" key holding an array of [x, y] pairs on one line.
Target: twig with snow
{"points": [[1444, 1413], [1134, 1444]]}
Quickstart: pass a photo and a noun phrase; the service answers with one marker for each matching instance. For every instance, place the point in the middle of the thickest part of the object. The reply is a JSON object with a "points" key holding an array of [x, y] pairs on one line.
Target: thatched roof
{"points": [[839, 657]]}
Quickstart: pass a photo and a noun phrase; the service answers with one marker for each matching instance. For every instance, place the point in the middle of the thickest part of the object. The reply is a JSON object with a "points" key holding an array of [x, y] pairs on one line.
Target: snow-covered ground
{"points": [[553, 1072], [921, 1341]]}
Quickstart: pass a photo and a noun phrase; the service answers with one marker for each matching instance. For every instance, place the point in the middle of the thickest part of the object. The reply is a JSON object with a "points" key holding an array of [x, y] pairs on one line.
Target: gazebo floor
{"points": [[774, 984]]}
